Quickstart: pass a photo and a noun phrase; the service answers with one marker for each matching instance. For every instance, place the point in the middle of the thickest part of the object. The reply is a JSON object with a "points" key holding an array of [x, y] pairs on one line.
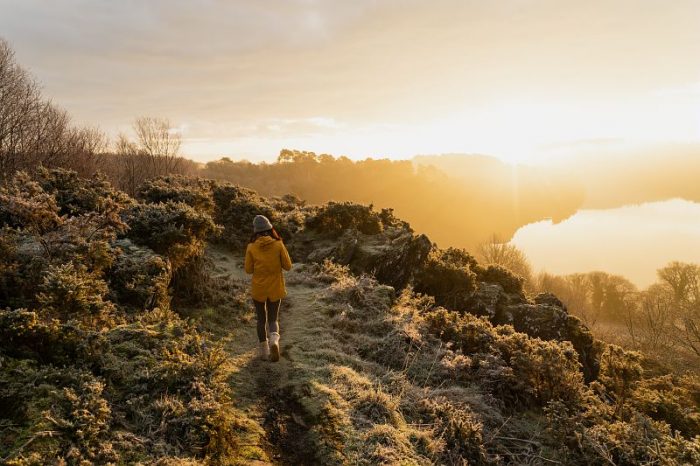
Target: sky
{"points": [[518, 79]]}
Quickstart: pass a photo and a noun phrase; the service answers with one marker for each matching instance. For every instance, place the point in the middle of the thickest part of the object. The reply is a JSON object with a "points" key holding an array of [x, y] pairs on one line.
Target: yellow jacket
{"points": [[265, 259]]}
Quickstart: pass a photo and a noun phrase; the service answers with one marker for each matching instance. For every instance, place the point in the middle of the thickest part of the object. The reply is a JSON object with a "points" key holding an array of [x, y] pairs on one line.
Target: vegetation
{"points": [[123, 326], [96, 366], [661, 321], [404, 380], [88, 373]]}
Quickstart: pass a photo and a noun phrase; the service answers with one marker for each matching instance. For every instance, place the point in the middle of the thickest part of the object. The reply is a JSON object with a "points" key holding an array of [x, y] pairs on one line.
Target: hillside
{"points": [[127, 336], [494, 198]]}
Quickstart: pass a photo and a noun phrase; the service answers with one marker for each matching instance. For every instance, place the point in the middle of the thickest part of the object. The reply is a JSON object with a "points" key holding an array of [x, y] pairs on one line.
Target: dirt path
{"points": [[261, 388]]}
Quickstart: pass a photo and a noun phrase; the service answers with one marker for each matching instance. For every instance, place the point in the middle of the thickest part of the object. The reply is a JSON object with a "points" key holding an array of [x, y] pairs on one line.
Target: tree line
{"points": [[35, 132]]}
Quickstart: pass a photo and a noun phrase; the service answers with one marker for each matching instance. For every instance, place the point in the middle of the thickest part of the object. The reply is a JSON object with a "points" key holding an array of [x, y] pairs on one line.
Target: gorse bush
{"points": [[93, 366], [36, 237], [25, 205], [76, 196], [523, 371], [336, 217], [174, 230], [235, 209], [29, 335], [152, 387], [138, 277], [620, 371], [670, 399], [195, 192], [70, 292], [510, 282], [448, 275]]}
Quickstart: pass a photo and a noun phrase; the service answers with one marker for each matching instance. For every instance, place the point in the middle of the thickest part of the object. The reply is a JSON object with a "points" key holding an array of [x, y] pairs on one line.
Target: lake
{"points": [[633, 241]]}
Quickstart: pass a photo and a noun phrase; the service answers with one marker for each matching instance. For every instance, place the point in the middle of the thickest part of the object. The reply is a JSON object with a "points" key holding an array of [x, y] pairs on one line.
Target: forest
{"points": [[126, 329]]}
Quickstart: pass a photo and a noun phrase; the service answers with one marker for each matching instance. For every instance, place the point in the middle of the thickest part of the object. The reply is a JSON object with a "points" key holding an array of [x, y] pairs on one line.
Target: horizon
{"points": [[372, 79]]}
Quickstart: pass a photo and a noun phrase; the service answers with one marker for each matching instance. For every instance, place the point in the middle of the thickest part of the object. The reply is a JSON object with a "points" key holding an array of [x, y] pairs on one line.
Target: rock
{"points": [[487, 299], [553, 322], [549, 298]]}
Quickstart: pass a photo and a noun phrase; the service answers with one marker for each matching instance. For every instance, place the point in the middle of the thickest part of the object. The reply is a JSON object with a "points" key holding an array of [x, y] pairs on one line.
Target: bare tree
{"points": [[160, 142], [19, 100], [132, 165], [683, 281], [506, 255], [88, 147], [33, 131], [650, 323]]}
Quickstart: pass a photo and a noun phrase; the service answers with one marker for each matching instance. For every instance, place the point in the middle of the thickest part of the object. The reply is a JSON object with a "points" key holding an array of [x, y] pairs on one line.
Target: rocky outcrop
{"points": [[391, 257], [545, 317], [397, 257]]}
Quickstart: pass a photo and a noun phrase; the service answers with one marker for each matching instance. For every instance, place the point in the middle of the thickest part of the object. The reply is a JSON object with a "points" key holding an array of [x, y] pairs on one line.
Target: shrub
{"points": [[160, 392], [139, 278], [175, 230], [235, 209], [334, 218], [523, 371], [82, 417], [35, 236], [9, 267], [78, 196], [195, 192], [620, 372], [593, 439], [672, 399], [459, 429], [510, 282], [25, 205], [466, 333], [447, 275], [70, 292], [542, 370], [25, 334]]}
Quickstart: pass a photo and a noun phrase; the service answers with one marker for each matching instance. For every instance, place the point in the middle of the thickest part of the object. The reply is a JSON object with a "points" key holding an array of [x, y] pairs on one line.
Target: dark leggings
{"points": [[271, 316]]}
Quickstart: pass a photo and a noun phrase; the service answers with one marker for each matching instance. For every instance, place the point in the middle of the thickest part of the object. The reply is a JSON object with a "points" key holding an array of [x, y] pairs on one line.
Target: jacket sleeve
{"points": [[248, 260], [285, 259]]}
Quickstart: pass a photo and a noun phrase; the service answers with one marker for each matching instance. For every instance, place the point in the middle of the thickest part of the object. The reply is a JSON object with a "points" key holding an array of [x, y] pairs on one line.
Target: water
{"points": [[633, 241]]}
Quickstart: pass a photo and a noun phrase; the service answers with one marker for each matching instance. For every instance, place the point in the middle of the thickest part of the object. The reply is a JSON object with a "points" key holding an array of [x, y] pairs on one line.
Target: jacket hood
{"points": [[264, 241]]}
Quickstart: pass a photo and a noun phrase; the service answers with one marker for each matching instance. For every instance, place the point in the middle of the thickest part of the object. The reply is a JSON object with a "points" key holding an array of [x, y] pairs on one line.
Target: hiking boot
{"points": [[274, 346], [264, 350]]}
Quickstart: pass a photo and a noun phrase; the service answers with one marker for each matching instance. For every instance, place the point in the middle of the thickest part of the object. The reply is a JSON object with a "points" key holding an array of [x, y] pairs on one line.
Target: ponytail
{"points": [[272, 233]]}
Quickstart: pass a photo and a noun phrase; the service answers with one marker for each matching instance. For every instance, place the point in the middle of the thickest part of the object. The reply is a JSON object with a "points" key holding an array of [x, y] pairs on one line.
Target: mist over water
{"points": [[633, 241]]}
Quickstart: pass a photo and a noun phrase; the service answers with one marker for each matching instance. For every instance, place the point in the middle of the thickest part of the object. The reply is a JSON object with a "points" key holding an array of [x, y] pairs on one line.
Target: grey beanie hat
{"points": [[261, 223]]}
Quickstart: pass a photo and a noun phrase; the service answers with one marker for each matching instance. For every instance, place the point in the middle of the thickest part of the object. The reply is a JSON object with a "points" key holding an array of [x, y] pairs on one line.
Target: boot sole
{"points": [[274, 353]]}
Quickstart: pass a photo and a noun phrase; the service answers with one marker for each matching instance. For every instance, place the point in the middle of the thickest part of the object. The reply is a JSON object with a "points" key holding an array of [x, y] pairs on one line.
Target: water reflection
{"points": [[632, 241]]}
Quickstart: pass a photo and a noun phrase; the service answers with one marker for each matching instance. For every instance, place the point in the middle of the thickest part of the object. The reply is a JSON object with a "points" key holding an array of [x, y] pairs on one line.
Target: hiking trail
{"points": [[260, 389]]}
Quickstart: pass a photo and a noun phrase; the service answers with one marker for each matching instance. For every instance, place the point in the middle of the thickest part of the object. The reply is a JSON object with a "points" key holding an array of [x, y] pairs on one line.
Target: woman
{"points": [[265, 257]]}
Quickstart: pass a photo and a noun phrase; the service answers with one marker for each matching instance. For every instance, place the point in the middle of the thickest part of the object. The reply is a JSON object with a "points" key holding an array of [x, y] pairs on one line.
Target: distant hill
{"points": [[460, 203], [603, 177]]}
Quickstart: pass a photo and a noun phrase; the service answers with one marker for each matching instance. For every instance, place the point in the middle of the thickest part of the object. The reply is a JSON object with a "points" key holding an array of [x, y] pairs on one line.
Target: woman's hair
{"points": [[272, 233]]}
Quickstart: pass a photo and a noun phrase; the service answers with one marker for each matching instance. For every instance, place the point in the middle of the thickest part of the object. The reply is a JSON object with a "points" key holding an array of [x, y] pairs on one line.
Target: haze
{"points": [[515, 79]]}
